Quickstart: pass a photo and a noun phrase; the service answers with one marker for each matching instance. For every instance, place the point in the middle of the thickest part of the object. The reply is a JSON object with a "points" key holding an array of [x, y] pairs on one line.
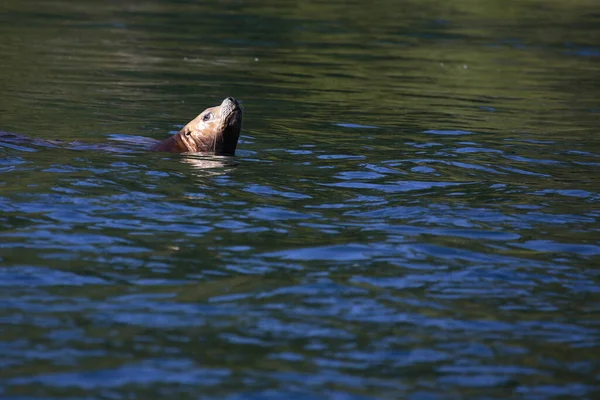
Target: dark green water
{"points": [[413, 212]]}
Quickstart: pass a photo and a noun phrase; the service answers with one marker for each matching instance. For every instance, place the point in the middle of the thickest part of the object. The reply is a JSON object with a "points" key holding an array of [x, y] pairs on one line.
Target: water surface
{"points": [[413, 211]]}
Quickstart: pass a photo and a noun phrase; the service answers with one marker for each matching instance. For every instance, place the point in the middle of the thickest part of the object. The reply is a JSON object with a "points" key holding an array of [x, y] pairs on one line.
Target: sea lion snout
{"points": [[230, 100], [229, 105], [215, 130]]}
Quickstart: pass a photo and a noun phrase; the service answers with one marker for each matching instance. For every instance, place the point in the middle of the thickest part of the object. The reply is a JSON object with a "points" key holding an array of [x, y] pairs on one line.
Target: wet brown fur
{"points": [[216, 130]]}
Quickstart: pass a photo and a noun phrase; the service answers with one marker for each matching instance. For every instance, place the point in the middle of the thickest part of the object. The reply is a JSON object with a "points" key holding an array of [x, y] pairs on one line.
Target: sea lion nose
{"points": [[230, 102]]}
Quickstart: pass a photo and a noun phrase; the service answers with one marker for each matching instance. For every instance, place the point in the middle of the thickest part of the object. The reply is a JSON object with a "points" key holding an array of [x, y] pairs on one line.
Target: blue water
{"points": [[412, 212]]}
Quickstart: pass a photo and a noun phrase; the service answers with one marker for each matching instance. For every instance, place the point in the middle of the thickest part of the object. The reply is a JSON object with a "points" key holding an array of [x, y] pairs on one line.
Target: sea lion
{"points": [[216, 130]]}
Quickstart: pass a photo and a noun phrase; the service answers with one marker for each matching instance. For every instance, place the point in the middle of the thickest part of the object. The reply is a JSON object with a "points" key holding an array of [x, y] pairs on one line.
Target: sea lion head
{"points": [[215, 130]]}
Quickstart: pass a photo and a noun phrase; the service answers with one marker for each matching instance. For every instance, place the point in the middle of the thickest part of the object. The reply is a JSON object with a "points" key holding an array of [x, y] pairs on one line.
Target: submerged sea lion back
{"points": [[216, 130]]}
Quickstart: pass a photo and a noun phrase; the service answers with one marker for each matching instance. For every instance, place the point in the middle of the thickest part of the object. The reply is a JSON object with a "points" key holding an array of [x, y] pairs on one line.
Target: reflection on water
{"points": [[210, 165], [412, 211]]}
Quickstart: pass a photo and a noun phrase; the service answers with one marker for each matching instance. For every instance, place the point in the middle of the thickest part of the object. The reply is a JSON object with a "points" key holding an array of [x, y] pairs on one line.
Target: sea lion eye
{"points": [[207, 116]]}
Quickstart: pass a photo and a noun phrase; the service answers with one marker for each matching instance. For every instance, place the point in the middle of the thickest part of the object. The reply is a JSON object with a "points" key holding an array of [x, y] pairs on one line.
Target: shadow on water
{"points": [[412, 211]]}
